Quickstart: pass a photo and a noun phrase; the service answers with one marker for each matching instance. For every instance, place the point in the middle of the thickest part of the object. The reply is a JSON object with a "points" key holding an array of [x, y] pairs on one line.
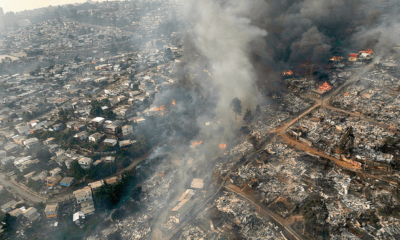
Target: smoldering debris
{"points": [[251, 224]]}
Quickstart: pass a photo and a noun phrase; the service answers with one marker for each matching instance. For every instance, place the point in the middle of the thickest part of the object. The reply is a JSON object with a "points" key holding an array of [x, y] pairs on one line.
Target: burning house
{"points": [[321, 91]]}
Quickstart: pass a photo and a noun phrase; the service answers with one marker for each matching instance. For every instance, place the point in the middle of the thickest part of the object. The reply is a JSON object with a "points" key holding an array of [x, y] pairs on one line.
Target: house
{"points": [[5, 118], [67, 181], [51, 210], [98, 121], [126, 143], [71, 124], [57, 127], [79, 126], [82, 135], [83, 194], [23, 130], [49, 141], [127, 130], [182, 208], [110, 142], [108, 159], [139, 120], [197, 183], [16, 212], [19, 140], [96, 185], [87, 208], [55, 171], [85, 162], [61, 160], [37, 130], [114, 127], [19, 161], [68, 162], [31, 142], [111, 180], [7, 207], [97, 162], [96, 137], [31, 214], [11, 147], [75, 217], [51, 181]]}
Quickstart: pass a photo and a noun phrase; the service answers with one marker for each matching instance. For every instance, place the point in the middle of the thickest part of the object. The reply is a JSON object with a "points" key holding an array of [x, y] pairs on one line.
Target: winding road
{"points": [[21, 191]]}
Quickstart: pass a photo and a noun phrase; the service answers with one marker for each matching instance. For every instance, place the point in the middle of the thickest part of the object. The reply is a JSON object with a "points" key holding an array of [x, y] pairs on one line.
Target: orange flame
{"points": [[190, 160], [161, 175], [336, 58], [162, 108], [367, 51], [287, 73], [325, 87], [197, 143], [173, 103], [222, 145]]}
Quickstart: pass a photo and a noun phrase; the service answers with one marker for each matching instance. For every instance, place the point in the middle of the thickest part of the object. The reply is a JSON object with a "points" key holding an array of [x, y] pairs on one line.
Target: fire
{"points": [[197, 143], [369, 51], [336, 58], [190, 160], [173, 103], [162, 108], [161, 175], [325, 87], [222, 145], [287, 73]]}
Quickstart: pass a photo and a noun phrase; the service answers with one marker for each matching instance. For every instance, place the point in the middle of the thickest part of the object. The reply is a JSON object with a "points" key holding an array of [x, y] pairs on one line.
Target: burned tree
{"points": [[346, 143], [248, 117], [236, 105]]}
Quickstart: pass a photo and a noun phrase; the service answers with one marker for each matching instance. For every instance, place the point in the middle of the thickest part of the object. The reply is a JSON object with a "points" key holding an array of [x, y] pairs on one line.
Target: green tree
{"points": [[77, 171], [43, 155], [9, 223]]}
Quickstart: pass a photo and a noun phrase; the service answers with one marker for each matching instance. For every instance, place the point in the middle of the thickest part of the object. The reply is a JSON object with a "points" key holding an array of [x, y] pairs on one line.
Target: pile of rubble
{"points": [[194, 233], [251, 225]]}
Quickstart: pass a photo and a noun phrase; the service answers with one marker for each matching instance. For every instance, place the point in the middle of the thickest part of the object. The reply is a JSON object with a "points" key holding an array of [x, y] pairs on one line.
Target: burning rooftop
{"points": [[369, 51], [287, 73], [325, 87]]}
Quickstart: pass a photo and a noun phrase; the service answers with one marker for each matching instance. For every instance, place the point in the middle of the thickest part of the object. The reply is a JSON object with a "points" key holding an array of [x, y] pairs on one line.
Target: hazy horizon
{"points": [[22, 5]]}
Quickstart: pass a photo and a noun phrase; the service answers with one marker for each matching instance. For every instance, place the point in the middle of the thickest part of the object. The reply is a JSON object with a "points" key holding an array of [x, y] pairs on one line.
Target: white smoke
{"points": [[222, 34]]}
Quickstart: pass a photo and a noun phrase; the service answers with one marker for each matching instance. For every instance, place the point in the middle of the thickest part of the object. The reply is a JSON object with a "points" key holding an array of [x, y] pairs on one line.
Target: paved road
{"points": [[20, 191]]}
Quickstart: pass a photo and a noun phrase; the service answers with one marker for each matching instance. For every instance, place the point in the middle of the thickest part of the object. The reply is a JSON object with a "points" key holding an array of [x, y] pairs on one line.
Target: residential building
{"points": [[96, 137], [31, 142], [83, 194], [110, 142], [51, 210], [7, 207], [85, 162], [67, 181], [31, 214]]}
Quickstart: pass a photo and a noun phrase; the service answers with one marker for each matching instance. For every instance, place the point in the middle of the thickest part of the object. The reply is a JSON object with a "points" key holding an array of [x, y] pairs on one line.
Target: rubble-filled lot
{"points": [[325, 128], [292, 103], [375, 95], [239, 217]]}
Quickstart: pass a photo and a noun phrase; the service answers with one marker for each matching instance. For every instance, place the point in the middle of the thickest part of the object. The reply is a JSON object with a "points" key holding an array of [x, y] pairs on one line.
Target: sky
{"points": [[21, 5]]}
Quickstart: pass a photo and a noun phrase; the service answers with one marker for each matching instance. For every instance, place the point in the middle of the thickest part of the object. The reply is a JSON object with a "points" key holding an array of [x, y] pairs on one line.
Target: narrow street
{"points": [[265, 211], [20, 191]]}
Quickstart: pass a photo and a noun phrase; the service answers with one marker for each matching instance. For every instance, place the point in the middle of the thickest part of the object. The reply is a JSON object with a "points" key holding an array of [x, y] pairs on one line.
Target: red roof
{"points": [[354, 55]]}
